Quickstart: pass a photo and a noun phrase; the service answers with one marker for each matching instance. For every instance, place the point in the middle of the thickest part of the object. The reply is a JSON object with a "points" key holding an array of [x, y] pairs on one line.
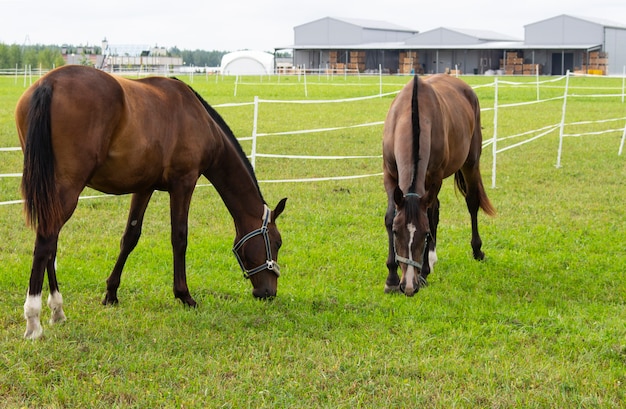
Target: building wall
{"points": [[615, 46], [564, 30], [330, 31], [327, 31]]}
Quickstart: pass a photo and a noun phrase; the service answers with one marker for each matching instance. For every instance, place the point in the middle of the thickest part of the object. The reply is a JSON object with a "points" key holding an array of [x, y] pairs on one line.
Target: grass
{"points": [[539, 324]]}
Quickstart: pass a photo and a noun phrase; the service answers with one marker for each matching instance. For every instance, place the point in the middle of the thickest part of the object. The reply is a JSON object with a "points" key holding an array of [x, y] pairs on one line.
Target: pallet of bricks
{"points": [[598, 61], [357, 61], [513, 63], [409, 63]]}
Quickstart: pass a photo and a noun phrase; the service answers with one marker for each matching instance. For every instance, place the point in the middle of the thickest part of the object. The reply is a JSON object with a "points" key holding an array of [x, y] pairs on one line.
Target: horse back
{"points": [[119, 135], [456, 137]]}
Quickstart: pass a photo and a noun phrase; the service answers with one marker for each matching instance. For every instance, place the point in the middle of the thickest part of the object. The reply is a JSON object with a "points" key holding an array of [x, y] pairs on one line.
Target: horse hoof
{"points": [[390, 289], [189, 302], [479, 255], [33, 331], [110, 300], [58, 316]]}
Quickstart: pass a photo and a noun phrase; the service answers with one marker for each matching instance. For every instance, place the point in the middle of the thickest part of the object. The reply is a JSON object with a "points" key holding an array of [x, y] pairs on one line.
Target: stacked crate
{"points": [[357, 61], [532, 69], [332, 61], [513, 63], [598, 61], [409, 62], [335, 64]]}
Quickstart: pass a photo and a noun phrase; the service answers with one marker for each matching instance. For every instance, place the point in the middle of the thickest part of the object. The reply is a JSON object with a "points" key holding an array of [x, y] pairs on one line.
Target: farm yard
{"points": [[540, 323]]}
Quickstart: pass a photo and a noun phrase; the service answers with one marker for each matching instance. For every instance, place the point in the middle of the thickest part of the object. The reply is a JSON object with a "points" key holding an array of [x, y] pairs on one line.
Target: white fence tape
{"points": [[537, 133]]}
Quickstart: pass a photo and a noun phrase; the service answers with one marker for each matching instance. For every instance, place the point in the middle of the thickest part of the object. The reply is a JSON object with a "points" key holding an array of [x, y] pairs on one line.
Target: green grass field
{"points": [[541, 323]]}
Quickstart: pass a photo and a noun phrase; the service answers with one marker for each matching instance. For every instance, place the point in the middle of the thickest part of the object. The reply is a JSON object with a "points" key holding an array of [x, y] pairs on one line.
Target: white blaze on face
{"points": [[410, 270]]}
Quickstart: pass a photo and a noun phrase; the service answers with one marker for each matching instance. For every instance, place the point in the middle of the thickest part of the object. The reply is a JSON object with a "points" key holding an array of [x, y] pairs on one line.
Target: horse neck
{"points": [[238, 188]]}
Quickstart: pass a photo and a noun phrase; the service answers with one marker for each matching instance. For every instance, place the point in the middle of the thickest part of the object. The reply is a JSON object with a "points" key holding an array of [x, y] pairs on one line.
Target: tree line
{"points": [[50, 56], [14, 55]]}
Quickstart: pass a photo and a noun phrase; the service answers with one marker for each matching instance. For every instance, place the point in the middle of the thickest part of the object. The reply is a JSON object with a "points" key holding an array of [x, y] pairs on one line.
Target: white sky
{"points": [[231, 25]]}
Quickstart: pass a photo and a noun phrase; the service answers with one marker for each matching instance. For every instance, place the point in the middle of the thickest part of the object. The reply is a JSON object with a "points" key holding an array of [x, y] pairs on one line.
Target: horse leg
{"points": [[430, 257], [55, 299], [44, 257], [43, 253], [180, 198], [472, 199], [392, 284], [130, 238]]}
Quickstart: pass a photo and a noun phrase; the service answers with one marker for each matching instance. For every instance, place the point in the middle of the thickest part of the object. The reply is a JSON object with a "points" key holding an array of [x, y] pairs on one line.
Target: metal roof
{"points": [[599, 21], [491, 45], [369, 24]]}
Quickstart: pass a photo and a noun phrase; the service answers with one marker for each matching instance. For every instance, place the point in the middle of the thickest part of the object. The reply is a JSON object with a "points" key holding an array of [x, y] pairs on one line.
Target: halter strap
{"points": [[269, 263], [408, 261]]}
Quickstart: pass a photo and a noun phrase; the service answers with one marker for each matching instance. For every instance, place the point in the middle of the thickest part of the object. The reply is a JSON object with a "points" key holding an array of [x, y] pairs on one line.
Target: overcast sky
{"points": [[231, 25]]}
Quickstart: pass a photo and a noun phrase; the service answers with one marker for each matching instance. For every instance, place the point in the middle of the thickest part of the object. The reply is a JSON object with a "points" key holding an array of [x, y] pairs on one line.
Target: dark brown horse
{"points": [[432, 131], [82, 127]]}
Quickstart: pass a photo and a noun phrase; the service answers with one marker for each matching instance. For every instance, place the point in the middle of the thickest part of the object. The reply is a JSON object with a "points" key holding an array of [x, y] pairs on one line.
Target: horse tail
{"points": [[41, 202], [483, 200]]}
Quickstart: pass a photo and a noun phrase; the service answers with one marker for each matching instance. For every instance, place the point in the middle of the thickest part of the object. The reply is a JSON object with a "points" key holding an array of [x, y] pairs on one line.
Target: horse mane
{"points": [[229, 134], [412, 208], [415, 120]]}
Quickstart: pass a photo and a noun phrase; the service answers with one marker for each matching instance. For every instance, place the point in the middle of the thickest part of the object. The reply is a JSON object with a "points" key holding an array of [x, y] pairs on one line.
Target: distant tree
{"points": [[202, 58], [44, 56]]}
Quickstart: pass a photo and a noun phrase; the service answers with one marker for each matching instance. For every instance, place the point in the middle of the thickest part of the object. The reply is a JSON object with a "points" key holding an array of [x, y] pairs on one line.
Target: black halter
{"points": [[269, 263]]}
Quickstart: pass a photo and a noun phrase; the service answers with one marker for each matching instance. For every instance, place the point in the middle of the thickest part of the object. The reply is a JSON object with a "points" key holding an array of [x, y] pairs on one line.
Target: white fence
{"points": [[560, 123], [495, 141]]}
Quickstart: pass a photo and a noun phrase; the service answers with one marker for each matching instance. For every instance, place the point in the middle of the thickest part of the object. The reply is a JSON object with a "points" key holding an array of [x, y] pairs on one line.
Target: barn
{"points": [[576, 44], [551, 46]]}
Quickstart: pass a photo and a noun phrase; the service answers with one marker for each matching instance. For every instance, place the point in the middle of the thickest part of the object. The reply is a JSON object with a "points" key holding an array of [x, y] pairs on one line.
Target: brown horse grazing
{"points": [[432, 131], [82, 127]]}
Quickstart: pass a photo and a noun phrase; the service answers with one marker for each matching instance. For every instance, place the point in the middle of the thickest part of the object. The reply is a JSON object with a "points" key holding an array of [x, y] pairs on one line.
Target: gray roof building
{"points": [[553, 45]]}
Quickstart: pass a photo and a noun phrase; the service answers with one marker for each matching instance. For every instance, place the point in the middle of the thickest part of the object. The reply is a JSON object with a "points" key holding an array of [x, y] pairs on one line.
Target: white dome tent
{"points": [[247, 63]]}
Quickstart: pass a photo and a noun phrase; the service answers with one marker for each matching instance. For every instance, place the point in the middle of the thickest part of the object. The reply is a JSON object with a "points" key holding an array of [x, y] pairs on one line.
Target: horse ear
{"points": [[279, 208], [398, 196]]}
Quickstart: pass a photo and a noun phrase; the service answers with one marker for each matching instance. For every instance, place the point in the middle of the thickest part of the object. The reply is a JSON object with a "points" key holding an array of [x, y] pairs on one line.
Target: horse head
{"points": [[257, 253], [410, 234]]}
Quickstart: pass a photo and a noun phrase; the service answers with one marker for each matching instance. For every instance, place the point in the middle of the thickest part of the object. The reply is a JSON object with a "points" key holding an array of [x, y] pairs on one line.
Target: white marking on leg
{"points": [[133, 223], [32, 309], [410, 270], [432, 259], [55, 302]]}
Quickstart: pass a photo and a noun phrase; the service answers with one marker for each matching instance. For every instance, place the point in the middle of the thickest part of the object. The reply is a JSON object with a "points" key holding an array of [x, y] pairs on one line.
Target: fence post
{"points": [[306, 91], [561, 131], [537, 79], [621, 144], [380, 79], [623, 81], [254, 128], [494, 147]]}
